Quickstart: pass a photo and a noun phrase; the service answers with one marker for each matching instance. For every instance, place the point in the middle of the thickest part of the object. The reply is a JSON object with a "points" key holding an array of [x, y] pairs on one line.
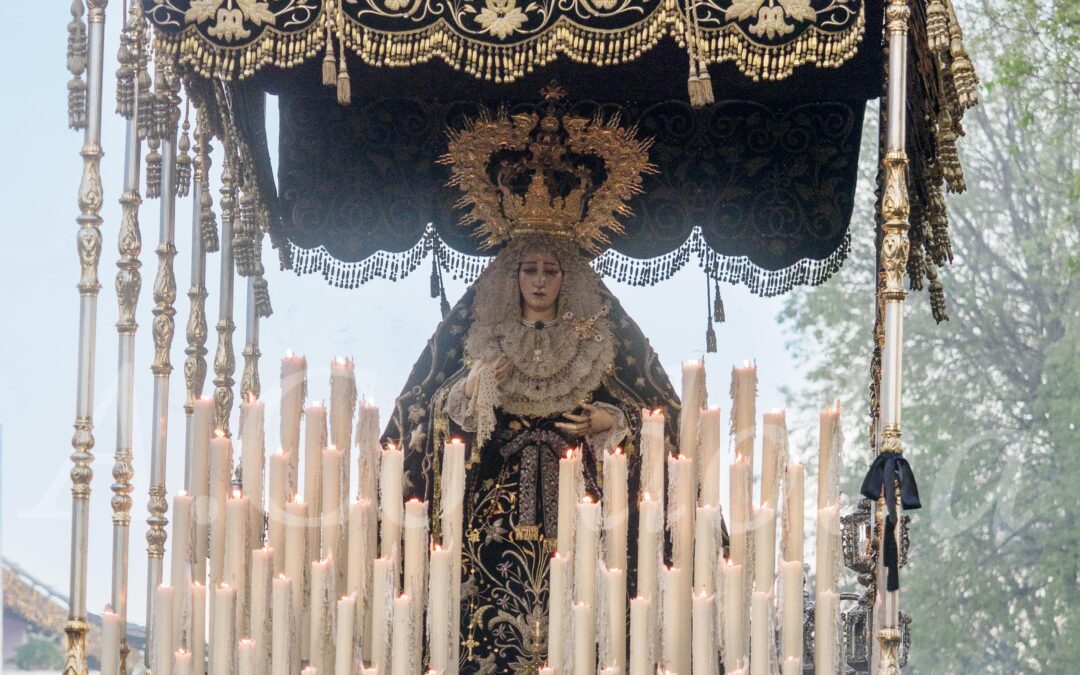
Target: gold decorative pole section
{"points": [[894, 252], [128, 287], [249, 381], [89, 249], [164, 327], [224, 356]]}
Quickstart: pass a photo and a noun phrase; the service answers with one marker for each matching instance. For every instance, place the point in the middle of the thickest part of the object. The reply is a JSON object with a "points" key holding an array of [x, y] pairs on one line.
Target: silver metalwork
{"points": [[197, 331], [164, 327], [249, 381], [89, 250], [224, 356]]}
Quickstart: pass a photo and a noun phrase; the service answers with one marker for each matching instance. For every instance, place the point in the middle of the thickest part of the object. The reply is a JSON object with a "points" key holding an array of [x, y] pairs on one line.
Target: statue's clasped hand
{"points": [[502, 368], [592, 420]]}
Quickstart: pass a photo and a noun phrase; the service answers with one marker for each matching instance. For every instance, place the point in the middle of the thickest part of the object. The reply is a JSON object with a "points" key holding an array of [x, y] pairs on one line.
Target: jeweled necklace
{"points": [[538, 353]]}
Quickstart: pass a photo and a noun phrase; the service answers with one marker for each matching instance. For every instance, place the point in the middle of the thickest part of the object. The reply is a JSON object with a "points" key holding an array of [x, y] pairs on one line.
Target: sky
{"points": [[383, 325]]}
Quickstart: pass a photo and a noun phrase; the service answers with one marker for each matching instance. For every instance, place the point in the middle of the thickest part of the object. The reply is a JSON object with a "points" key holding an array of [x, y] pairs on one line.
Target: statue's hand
{"points": [[502, 369], [594, 421]]}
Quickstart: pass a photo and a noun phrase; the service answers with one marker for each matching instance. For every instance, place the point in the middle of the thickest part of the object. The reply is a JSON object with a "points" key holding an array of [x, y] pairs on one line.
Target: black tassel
{"points": [[718, 305], [436, 280], [710, 334]]}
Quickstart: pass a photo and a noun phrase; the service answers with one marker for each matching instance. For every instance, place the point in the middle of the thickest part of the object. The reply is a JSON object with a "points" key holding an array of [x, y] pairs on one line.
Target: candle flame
{"points": [[182, 493], [249, 397], [390, 445], [457, 441], [586, 499], [569, 454], [289, 353], [298, 499], [236, 494], [656, 412], [219, 433]]}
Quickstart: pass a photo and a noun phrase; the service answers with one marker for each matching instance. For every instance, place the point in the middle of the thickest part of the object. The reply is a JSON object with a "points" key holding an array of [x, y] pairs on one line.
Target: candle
{"points": [[830, 439], [558, 609], [403, 651], [342, 407], [676, 632], [773, 455], [296, 570], [735, 626], [236, 556], [278, 489], [391, 502], [616, 514], [181, 557], [615, 633], [314, 444], [245, 650], [792, 543], [162, 629], [199, 487], [641, 654], [367, 441], [693, 398], [223, 630], [764, 547], [360, 555], [181, 662], [681, 511], [110, 642], [197, 639], [252, 451], [585, 555], [293, 392], [705, 655], [650, 529], [439, 618], [743, 394], [584, 639], [321, 619], [741, 513], [791, 628], [761, 649], [453, 494], [652, 453], [571, 485], [706, 528], [709, 466], [792, 666], [384, 587], [345, 639], [415, 553], [828, 544], [284, 656], [261, 590], [220, 473], [826, 615], [547, 670], [331, 536], [309, 670]]}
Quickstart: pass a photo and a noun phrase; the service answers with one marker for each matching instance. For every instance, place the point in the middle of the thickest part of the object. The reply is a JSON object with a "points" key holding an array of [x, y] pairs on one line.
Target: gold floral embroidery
{"points": [[501, 18]]}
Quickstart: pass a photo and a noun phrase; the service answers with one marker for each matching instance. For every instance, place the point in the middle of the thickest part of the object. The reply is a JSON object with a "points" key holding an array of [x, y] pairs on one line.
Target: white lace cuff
{"points": [[607, 441], [457, 407]]}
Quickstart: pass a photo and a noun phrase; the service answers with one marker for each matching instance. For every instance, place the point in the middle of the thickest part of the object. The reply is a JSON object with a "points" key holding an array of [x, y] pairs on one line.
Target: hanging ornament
{"points": [[183, 160], [76, 64]]}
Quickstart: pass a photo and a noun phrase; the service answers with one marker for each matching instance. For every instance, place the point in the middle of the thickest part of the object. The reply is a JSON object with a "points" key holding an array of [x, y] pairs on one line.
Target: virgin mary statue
{"points": [[536, 360]]}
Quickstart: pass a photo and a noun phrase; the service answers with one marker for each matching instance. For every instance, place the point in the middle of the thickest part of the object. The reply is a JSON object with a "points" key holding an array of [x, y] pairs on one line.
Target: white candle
{"points": [[197, 640], [252, 451], [764, 548], [735, 625], [741, 532], [293, 392], [309, 670], [321, 618], [199, 486], [342, 401], [391, 502], [360, 556], [616, 514], [791, 628], [245, 654], [706, 540], [571, 485], [744, 393], [828, 536], [652, 453], [223, 630], [415, 553], [278, 490], [314, 444], [650, 529], [693, 398], [558, 610], [261, 565], [367, 442], [296, 527], [332, 522], [181, 662], [829, 440], [705, 655], [384, 588], [163, 629], [110, 642], [585, 555], [681, 511], [181, 557], [792, 544], [403, 651], [220, 474], [792, 666], [547, 670], [453, 494], [236, 556], [584, 639], [439, 617], [676, 632], [345, 639], [709, 466], [641, 658], [284, 656], [826, 615], [773, 455], [761, 649], [615, 633]]}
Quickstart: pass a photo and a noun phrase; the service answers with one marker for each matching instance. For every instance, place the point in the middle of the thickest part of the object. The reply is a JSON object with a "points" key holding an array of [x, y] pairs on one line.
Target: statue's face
{"points": [[540, 279]]}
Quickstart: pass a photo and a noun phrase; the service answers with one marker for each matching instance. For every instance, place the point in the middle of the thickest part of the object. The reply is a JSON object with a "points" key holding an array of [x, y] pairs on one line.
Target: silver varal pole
{"points": [[195, 362], [89, 249], [894, 252], [224, 356], [164, 326], [128, 287]]}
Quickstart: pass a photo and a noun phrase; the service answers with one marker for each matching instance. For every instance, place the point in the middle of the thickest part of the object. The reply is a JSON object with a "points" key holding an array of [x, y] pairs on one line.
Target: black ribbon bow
{"points": [[888, 470]]}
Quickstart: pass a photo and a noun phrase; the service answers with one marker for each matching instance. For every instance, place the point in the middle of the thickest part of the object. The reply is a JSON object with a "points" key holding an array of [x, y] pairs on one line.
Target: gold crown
{"points": [[545, 173]]}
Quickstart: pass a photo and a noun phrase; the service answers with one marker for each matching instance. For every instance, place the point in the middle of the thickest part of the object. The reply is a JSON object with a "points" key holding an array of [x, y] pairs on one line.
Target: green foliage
{"points": [[39, 653], [991, 398]]}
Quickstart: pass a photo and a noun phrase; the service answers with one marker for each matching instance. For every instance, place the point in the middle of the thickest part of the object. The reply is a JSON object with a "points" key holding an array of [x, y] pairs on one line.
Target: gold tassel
{"points": [[693, 82], [344, 88], [937, 26], [329, 65], [705, 84], [183, 161]]}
